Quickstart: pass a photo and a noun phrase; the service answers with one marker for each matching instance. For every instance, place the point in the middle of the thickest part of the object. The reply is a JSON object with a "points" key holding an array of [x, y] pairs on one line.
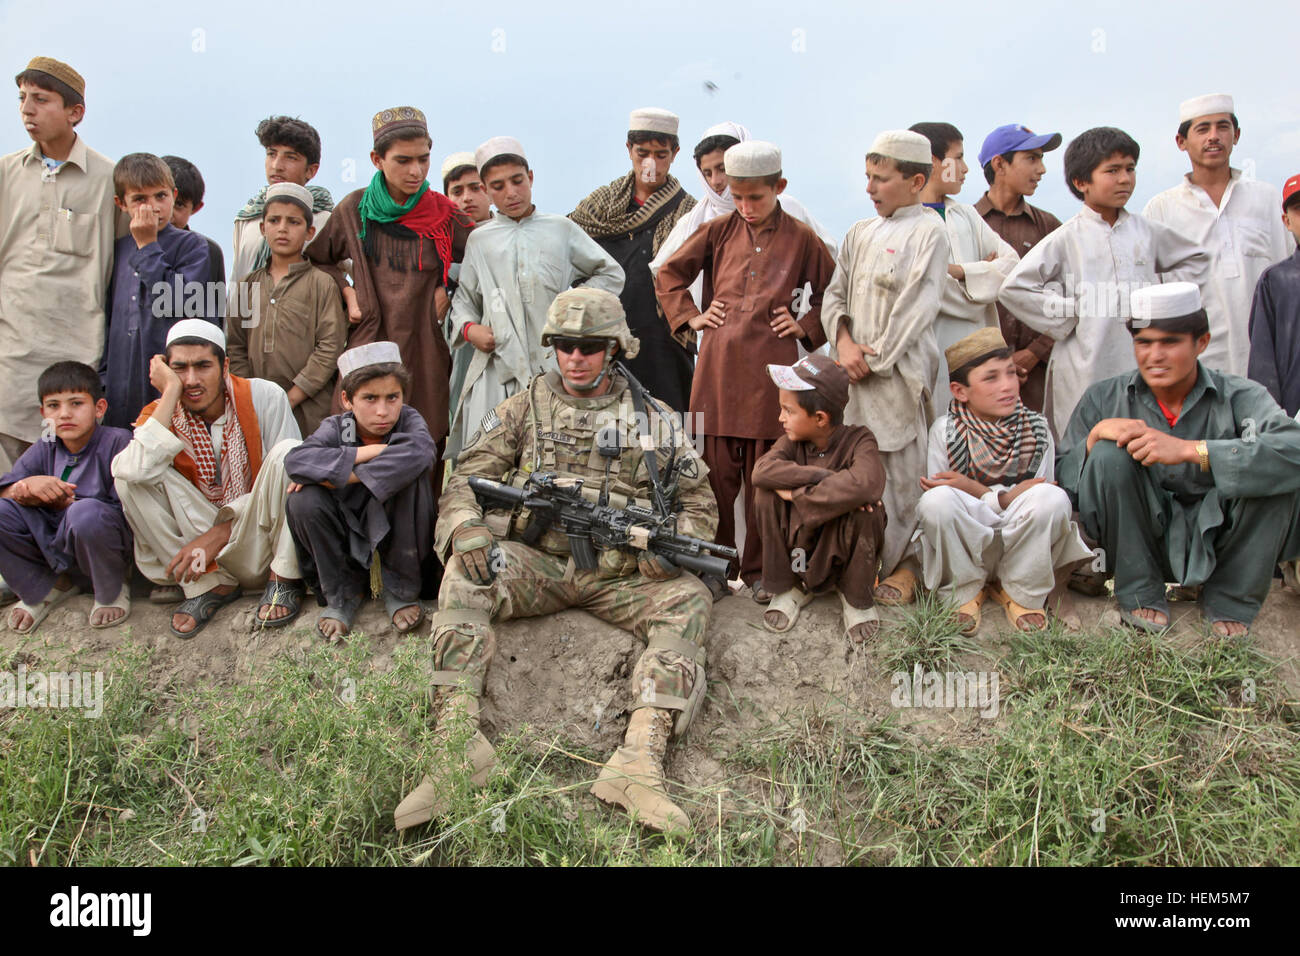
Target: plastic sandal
{"points": [[789, 604], [1017, 612], [280, 594], [203, 608], [971, 609], [855, 617], [393, 604], [122, 601], [904, 582], [42, 608], [1140, 624]]}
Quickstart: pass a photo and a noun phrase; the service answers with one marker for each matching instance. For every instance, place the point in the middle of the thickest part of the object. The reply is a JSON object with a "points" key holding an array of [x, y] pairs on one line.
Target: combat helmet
{"points": [[590, 314]]}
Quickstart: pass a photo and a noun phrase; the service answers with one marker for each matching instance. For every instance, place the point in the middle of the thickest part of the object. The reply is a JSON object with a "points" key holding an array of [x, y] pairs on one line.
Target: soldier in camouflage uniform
{"points": [[552, 426]]}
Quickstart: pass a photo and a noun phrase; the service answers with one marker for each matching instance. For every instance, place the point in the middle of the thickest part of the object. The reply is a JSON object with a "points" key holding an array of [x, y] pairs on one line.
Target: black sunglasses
{"points": [[585, 346]]}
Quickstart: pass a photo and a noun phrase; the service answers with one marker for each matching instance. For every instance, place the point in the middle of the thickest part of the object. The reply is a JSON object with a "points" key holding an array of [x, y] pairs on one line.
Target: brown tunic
{"points": [[1022, 230], [294, 338], [840, 544], [753, 273], [396, 300]]}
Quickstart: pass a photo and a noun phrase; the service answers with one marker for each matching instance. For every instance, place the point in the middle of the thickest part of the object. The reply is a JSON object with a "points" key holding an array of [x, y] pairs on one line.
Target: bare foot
{"points": [[1036, 621], [1229, 629], [1158, 618], [331, 629], [19, 619], [865, 631], [185, 623], [776, 619], [273, 612], [966, 622], [406, 618], [105, 616], [887, 592]]}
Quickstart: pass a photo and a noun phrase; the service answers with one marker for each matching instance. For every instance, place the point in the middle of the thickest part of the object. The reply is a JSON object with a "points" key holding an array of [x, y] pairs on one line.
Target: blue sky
{"points": [[818, 79]]}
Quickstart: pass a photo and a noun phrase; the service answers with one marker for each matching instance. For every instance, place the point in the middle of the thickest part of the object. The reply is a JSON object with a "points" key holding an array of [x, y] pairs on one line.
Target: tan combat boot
{"points": [[634, 776], [429, 799]]}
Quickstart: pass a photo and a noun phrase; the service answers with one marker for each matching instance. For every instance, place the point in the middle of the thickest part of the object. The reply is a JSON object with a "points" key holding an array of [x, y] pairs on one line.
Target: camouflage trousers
{"points": [[671, 616]]}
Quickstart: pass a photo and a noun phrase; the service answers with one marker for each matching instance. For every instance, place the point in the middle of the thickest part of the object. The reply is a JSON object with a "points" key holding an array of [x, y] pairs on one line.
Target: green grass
{"points": [[1111, 748]]}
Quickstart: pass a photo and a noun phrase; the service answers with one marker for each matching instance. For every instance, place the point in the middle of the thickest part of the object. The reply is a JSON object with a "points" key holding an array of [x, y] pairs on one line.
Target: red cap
{"points": [[1290, 188]]}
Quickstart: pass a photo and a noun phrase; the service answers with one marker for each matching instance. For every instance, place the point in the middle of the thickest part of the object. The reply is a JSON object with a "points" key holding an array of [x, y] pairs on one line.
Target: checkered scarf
{"points": [[605, 212], [1003, 452], [236, 475]]}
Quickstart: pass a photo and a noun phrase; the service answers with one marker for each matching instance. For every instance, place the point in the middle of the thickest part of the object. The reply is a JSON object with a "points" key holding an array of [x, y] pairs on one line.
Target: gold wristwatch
{"points": [[1203, 450]]}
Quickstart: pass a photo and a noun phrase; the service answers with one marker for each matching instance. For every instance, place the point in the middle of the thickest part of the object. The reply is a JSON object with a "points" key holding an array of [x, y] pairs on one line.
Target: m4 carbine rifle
{"points": [[558, 502]]}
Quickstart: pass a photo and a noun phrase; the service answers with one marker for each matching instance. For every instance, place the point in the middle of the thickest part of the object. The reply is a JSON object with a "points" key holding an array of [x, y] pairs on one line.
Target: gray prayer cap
{"points": [[291, 191]]}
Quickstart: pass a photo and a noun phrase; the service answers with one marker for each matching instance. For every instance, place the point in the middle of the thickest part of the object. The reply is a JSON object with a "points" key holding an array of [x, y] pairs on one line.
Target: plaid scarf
{"points": [[236, 475], [321, 201], [606, 211], [427, 214], [1003, 452]]}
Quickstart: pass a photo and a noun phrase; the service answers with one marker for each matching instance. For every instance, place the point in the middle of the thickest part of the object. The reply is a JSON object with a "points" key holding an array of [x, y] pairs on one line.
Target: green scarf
{"points": [[377, 204]]}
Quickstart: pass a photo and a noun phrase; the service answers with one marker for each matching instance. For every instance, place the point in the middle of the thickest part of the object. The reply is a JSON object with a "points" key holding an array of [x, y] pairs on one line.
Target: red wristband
{"points": [[464, 333]]}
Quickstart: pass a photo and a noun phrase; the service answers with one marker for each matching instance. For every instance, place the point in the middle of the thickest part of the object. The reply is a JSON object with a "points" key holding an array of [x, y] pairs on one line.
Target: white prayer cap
{"points": [[455, 161], [752, 158], [650, 119], [1167, 300], [497, 146], [902, 145], [1204, 106], [298, 194], [197, 329], [373, 353]]}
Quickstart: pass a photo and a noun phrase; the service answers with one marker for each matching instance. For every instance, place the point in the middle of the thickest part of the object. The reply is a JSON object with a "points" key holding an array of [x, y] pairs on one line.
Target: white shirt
{"points": [[1244, 236], [1075, 286], [972, 303], [888, 283], [511, 273]]}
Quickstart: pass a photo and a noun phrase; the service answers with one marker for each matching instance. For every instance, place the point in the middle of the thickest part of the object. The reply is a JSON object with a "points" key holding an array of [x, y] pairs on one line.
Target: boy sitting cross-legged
{"points": [[817, 499], [990, 513]]}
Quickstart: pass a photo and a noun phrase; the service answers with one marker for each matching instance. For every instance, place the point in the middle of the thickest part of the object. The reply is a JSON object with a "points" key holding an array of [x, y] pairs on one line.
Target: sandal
{"points": [[280, 593], [971, 611], [760, 594], [789, 605], [1018, 612], [861, 624], [904, 582], [1141, 624], [166, 594], [1212, 618], [122, 602], [203, 608], [393, 604], [42, 608], [7, 595], [344, 615]]}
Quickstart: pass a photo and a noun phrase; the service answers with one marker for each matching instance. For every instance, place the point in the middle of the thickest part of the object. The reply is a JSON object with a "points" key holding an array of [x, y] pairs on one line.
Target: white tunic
{"points": [[1244, 236], [511, 273], [966, 541], [1075, 285], [887, 284], [971, 303]]}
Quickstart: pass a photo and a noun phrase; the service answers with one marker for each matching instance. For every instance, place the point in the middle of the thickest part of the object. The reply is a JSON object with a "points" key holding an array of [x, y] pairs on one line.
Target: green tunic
{"points": [[1224, 529]]}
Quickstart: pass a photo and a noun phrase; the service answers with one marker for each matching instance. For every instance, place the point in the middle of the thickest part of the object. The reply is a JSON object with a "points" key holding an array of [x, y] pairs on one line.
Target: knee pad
{"points": [[686, 707]]}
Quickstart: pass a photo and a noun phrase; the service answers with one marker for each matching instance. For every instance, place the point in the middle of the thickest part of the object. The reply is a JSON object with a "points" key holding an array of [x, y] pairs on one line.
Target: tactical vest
{"points": [[560, 437]]}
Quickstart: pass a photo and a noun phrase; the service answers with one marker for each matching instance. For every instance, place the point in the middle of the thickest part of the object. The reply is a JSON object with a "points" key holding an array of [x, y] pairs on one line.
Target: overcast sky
{"points": [[818, 79]]}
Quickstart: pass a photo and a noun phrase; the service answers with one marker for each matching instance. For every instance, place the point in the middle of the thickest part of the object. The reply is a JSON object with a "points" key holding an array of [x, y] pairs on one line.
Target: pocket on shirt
{"points": [[1253, 241], [75, 233]]}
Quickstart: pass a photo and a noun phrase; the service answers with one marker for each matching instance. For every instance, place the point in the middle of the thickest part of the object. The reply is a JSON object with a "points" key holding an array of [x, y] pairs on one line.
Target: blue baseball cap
{"points": [[1015, 138]]}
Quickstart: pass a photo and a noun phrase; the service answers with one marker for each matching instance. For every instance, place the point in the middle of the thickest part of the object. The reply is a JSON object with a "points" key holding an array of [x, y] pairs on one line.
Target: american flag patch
{"points": [[490, 421]]}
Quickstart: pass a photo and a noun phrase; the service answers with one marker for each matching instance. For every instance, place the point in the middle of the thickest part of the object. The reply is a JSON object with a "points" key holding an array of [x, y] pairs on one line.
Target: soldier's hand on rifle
{"points": [[655, 567], [472, 541]]}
